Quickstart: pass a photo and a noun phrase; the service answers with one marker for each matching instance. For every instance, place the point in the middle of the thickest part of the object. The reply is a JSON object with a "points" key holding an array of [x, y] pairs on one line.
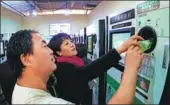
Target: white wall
{"points": [[106, 8], [41, 23], [10, 21]]}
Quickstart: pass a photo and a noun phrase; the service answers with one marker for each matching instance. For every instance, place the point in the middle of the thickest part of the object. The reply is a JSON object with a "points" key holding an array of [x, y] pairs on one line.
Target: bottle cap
{"points": [[145, 45]]}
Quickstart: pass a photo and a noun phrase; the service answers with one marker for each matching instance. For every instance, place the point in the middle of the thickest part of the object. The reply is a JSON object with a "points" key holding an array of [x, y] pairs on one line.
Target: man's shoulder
{"points": [[54, 100], [34, 96]]}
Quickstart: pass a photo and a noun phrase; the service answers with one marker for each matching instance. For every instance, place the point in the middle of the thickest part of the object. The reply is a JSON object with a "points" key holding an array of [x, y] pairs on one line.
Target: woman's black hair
{"points": [[56, 41]]}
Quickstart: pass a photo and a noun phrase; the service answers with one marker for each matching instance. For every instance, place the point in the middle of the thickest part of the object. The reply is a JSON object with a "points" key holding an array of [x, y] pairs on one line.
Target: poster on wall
{"points": [[59, 28]]}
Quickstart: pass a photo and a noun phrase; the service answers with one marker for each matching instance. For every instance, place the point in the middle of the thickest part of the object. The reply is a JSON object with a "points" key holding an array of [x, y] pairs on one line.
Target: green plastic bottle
{"points": [[145, 45]]}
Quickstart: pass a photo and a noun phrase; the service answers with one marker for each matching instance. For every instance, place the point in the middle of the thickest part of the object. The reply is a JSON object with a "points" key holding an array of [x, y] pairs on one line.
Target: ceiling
{"points": [[47, 7]]}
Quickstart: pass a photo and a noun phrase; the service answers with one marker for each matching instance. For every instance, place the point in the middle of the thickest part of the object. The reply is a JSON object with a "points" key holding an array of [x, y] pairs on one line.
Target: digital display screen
{"points": [[118, 39], [2, 48], [89, 46]]}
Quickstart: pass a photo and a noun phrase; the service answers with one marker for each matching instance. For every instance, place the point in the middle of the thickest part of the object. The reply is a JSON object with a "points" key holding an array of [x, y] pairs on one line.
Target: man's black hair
{"points": [[19, 43]]}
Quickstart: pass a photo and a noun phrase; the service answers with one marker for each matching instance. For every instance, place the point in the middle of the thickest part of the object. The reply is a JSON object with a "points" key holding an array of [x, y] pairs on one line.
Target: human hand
{"points": [[131, 41], [133, 58]]}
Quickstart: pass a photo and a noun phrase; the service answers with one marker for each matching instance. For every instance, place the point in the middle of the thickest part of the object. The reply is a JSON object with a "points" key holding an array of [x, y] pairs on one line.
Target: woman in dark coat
{"points": [[72, 75]]}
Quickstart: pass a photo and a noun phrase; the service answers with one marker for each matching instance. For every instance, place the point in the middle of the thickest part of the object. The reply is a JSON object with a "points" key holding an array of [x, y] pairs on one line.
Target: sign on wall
{"points": [[58, 28]]}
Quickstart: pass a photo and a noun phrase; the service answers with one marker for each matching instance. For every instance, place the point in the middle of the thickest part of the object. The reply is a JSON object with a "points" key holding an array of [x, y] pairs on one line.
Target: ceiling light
{"points": [[34, 13], [67, 12], [88, 12], [27, 13]]}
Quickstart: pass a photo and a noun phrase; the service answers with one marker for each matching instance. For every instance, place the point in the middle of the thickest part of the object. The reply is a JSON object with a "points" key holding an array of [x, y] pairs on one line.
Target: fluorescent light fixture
{"points": [[63, 11], [34, 13], [27, 14], [67, 12], [88, 12]]}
